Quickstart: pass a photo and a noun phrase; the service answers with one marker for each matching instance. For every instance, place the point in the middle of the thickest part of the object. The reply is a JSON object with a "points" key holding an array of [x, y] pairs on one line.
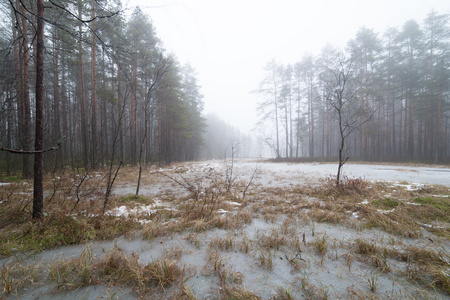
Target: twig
{"points": [[187, 186], [255, 173]]}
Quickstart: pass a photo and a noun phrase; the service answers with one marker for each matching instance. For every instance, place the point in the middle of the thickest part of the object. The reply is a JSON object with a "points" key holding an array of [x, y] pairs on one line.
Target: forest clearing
{"points": [[130, 131], [231, 229]]}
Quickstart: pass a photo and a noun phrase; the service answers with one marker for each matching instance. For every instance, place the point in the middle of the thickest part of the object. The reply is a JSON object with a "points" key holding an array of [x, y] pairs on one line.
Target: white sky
{"points": [[230, 42]]}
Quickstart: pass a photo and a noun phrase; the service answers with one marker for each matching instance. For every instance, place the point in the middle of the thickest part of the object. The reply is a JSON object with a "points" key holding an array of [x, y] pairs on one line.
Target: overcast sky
{"points": [[230, 42]]}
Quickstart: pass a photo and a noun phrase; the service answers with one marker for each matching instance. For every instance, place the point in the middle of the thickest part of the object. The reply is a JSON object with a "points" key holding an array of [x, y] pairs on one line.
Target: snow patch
{"points": [[430, 225], [408, 187], [386, 211]]}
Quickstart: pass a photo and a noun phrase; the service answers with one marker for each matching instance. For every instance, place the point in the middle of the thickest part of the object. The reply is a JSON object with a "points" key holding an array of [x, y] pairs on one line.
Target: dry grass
{"points": [[162, 273], [74, 272], [224, 244], [366, 248], [58, 230], [274, 239], [423, 265], [16, 276], [205, 205], [72, 214], [349, 189], [283, 294], [237, 292], [265, 259], [320, 244], [114, 268]]}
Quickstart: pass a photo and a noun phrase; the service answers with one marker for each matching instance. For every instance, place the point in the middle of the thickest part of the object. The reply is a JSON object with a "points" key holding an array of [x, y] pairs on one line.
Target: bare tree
{"points": [[340, 91], [162, 67]]}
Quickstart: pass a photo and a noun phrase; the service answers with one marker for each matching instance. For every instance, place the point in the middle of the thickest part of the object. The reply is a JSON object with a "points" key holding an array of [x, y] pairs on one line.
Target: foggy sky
{"points": [[230, 42]]}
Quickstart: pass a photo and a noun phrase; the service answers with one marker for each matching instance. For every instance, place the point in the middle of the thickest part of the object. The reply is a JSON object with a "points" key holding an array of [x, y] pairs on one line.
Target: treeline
{"points": [[111, 92], [400, 79], [225, 141]]}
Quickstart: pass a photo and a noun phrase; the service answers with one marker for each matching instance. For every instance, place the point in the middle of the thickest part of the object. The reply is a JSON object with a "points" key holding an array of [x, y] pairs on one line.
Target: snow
{"points": [[431, 226], [124, 211], [222, 211], [408, 187], [386, 211]]}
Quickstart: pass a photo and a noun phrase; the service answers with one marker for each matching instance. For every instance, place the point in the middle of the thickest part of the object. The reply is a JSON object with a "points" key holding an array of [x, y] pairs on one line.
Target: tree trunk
{"points": [[84, 127], [56, 99], [276, 122], [133, 113], [38, 193], [24, 97], [93, 90], [119, 95]]}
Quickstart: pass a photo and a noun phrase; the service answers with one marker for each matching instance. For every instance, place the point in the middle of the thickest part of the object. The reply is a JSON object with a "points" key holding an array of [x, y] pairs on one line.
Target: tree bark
{"points": [[38, 194]]}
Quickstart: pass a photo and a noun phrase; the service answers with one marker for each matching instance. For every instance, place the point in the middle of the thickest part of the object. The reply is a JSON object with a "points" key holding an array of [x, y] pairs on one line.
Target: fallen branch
{"points": [[19, 151]]}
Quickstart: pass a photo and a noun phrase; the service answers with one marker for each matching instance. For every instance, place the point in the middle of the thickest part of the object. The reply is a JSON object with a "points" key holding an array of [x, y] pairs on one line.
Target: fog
{"points": [[229, 43]]}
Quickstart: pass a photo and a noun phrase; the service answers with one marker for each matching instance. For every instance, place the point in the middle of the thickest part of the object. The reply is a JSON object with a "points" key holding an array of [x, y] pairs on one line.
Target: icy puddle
{"points": [[263, 258]]}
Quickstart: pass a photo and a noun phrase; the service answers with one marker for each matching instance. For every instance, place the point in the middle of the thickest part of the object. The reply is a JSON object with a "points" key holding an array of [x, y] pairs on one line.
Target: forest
{"points": [[111, 92], [399, 80]]}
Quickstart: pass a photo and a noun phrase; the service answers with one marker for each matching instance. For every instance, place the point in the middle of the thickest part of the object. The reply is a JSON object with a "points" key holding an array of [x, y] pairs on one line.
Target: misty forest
{"points": [[104, 140]]}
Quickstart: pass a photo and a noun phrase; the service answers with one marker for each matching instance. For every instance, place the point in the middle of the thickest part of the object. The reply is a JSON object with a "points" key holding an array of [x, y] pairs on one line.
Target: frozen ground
{"points": [[338, 273], [300, 173]]}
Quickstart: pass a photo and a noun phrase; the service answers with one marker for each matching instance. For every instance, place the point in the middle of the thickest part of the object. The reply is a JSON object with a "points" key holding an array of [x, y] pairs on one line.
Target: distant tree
{"points": [[307, 73], [268, 108], [411, 43], [326, 58], [389, 88], [365, 49], [434, 101], [286, 106]]}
